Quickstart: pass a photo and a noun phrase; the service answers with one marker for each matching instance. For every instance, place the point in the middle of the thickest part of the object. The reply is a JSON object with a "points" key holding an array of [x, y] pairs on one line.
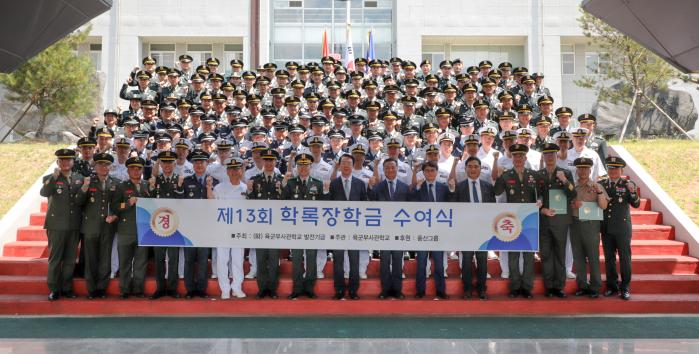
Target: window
{"points": [[199, 53], [567, 59], [96, 55], [164, 54], [594, 61], [230, 52]]}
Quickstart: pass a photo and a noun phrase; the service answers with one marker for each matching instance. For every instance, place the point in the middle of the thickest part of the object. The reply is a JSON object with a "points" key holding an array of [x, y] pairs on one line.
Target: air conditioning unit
{"points": [[296, 3], [370, 3]]}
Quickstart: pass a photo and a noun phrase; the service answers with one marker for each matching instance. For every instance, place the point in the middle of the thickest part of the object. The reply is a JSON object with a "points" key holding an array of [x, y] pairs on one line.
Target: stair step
{"points": [[44, 206], [36, 249], [653, 232], [657, 247], [640, 304], [31, 233], [645, 205], [646, 217], [37, 219]]}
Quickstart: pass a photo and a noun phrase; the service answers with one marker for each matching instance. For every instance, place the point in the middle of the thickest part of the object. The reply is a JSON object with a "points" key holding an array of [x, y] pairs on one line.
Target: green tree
{"points": [[55, 81], [628, 69]]}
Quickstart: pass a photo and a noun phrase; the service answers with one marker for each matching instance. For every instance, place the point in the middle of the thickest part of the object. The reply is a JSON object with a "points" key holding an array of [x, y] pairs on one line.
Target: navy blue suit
{"points": [[358, 192], [441, 194], [463, 194], [391, 261]]}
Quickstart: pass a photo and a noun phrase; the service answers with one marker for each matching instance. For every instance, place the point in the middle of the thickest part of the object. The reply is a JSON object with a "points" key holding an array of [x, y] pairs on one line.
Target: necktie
{"points": [[269, 180], [201, 181], [347, 188], [391, 191], [474, 193], [430, 193], [304, 184]]}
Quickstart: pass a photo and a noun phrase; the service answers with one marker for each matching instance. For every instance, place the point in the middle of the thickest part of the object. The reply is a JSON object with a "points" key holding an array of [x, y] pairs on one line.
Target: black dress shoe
{"points": [[157, 295], [53, 296], [311, 295], [513, 294], [610, 292], [582, 292], [420, 295], [102, 294], [467, 295], [354, 296], [91, 295], [273, 295], [202, 294], [594, 294], [549, 292], [139, 295], [482, 295], [442, 295], [383, 295], [399, 295], [559, 293], [123, 296], [189, 294], [173, 294], [338, 296], [625, 295], [69, 294], [527, 294], [293, 296]]}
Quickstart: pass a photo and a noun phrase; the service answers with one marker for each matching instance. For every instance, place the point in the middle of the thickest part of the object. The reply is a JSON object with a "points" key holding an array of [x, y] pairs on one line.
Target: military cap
{"points": [[224, 144], [389, 115], [236, 63], [352, 94], [168, 106], [185, 58], [518, 149], [425, 62], [480, 103], [298, 84], [315, 140], [248, 75], [291, 65], [213, 61], [296, 128], [391, 89], [508, 134], [161, 70], [233, 162], [140, 134], [360, 61], [431, 77], [336, 133], [239, 94], [372, 106], [473, 70], [544, 99], [122, 142], [549, 148], [446, 137], [505, 94], [445, 64], [462, 77], [374, 135], [466, 121], [409, 131], [472, 139], [411, 82], [375, 63], [450, 88], [235, 75], [505, 65], [356, 119], [196, 111], [228, 87], [148, 60], [253, 98], [527, 79], [488, 130], [583, 162], [215, 77], [580, 132], [525, 133], [65, 153], [544, 121], [334, 84], [174, 127], [87, 141], [259, 146], [183, 143], [110, 111], [562, 135], [104, 131], [258, 131], [485, 64], [394, 142], [304, 159], [199, 155], [470, 87], [280, 126], [135, 162], [520, 70], [358, 149], [561, 111], [408, 64], [340, 70], [506, 116], [281, 73], [184, 103], [262, 80], [293, 100], [615, 162], [432, 149], [443, 112], [206, 95], [303, 69], [326, 103], [197, 77], [429, 127], [524, 108], [167, 155], [209, 118], [319, 120], [206, 137], [486, 81], [495, 74], [369, 84], [409, 100], [103, 157], [162, 136], [538, 75], [316, 70], [587, 118], [339, 111], [142, 74], [202, 69], [312, 97], [328, 60]]}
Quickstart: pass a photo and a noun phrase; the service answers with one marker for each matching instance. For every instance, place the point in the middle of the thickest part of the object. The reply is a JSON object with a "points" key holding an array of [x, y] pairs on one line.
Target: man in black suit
{"points": [[431, 191], [473, 190], [350, 188], [390, 189]]}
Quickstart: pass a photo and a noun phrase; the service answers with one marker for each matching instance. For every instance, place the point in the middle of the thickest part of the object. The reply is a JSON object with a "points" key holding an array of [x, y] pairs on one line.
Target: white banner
{"points": [[287, 224]]}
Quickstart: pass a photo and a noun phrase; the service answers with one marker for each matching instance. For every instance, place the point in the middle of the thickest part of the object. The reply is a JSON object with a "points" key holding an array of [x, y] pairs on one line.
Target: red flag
{"points": [[326, 50]]}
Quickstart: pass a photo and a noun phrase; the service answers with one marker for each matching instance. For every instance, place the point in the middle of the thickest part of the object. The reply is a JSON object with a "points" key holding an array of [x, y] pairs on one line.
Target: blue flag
{"points": [[370, 55]]}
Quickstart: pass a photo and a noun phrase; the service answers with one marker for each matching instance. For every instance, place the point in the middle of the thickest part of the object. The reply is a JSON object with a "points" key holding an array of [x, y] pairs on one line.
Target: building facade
{"points": [[542, 35]]}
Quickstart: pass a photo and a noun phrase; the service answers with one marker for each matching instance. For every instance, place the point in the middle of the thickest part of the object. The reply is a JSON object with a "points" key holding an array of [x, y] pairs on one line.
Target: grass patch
{"points": [[20, 165], [673, 163]]}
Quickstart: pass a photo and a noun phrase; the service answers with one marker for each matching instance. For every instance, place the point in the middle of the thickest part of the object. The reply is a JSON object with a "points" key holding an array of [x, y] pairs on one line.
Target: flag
{"points": [[326, 49], [349, 51], [370, 55]]}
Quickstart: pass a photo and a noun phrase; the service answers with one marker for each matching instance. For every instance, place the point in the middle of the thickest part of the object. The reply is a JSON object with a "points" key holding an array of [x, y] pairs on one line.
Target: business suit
{"points": [[441, 194], [465, 194], [196, 259], [391, 261], [358, 192]]}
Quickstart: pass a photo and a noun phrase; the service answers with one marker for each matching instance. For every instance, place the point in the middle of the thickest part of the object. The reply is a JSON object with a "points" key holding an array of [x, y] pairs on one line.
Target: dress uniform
{"points": [[169, 187], [303, 188], [553, 231], [519, 190], [98, 227], [267, 187], [616, 228], [585, 233], [84, 164], [594, 141], [62, 224]]}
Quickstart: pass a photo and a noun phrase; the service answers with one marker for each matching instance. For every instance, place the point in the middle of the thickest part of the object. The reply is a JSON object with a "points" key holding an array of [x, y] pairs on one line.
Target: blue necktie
{"points": [[391, 191], [474, 193], [430, 193]]}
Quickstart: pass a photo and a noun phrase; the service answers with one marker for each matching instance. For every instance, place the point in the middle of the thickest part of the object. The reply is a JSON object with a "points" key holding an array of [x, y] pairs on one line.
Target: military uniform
{"points": [[298, 189], [553, 231], [98, 233], [266, 187], [62, 225], [518, 190], [132, 257], [617, 230]]}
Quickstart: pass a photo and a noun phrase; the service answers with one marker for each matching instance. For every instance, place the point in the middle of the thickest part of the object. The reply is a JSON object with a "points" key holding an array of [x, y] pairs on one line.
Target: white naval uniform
{"points": [[230, 260]]}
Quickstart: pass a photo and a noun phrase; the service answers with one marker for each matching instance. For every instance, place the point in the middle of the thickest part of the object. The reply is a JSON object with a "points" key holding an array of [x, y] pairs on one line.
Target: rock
{"points": [[67, 137]]}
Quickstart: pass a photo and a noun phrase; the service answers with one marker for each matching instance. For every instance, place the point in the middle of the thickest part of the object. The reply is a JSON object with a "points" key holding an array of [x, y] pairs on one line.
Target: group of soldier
{"points": [[385, 131]]}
